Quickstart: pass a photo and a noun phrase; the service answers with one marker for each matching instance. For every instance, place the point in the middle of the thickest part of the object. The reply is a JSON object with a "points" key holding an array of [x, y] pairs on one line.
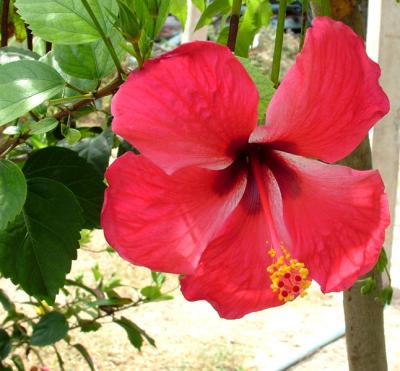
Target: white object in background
{"points": [[193, 15], [383, 46]]}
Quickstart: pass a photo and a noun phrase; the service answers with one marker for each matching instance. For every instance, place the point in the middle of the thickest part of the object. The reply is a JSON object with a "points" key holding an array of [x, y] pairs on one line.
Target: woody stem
{"points": [[280, 28], [234, 24]]}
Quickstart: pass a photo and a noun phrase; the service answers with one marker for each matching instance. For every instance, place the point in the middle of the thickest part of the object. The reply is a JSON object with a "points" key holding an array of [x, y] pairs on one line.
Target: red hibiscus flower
{"points": [[239, 209]]}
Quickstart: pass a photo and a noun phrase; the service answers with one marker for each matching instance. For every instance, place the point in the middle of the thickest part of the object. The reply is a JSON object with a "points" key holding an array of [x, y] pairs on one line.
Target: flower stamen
{"points": [[288, 276]]}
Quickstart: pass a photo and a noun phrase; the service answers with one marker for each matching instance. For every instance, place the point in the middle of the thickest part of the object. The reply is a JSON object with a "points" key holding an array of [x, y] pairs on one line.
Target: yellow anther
{"points": [[288, 276]]}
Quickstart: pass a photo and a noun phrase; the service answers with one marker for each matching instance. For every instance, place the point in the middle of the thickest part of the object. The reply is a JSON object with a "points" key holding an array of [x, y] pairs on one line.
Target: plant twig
{"points": [[304, 15], [107, 90], [115, 310], [4, 22], [10, 144], [280, 28], [234, 24], [29, 38], [105, 38], [138, 55], [80, 91]]}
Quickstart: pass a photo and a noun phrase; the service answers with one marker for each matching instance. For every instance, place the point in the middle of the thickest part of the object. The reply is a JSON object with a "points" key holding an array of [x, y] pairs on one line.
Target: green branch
{"points": [[280, 28], [304, 15]]}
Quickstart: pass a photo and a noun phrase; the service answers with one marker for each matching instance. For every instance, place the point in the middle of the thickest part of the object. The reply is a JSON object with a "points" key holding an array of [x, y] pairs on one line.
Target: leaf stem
{"points": [[4, 22], [138, 55], [304, 14], [105, 38], [234, 24], [107, 90], [280, 28], [68, 85], [69, 99]]}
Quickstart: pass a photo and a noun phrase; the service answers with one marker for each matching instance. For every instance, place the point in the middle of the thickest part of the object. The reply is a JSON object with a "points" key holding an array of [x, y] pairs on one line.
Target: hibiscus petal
{"points": [[336, 217], [328, 100], [232, 273], [165, 222], [195, 105]]}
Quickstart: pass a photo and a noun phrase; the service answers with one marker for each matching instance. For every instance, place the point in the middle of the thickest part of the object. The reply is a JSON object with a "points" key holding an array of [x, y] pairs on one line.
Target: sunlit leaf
{"points": [[43, 126], [11, 54], [24, 85], [91, 61], [214, 8], [179, 9], [12, 192], [66, 21]]}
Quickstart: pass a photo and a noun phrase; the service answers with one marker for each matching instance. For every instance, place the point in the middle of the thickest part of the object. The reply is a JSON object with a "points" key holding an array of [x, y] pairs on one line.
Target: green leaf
{"points": [[82, 84], [5, 367], [72, 135], [67, 167], [36, 250], [85, 354], [124, 147], [369, 284], [91, 61], [20, 33], [6, 302], [214, 8], [151, 292], [51, 328], [12, 192], [258, 14], [200, 4], [158, 278], [17, 360], [66, 21], [24, 85], [264, 85], [5, 344], [179, 9], [161, 15], [11, 54], [386, 295], [43, 126], [134, 332], [88, 325], [323, 7], [382, 261], [96, 150], [127, 22], [154, 293]]}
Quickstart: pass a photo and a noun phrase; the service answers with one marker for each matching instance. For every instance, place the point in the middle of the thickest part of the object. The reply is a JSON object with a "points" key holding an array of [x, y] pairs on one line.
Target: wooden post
{"points": [[189, 34], [383, 46]]}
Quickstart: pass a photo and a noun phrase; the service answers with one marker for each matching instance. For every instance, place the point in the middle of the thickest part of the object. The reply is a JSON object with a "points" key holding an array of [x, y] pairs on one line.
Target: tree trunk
{"points": [[363, 314]]}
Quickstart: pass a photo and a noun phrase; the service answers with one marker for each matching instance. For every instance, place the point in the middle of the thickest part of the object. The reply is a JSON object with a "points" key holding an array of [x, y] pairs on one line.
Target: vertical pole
{"points": [[383, 46], [193, 16]]}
